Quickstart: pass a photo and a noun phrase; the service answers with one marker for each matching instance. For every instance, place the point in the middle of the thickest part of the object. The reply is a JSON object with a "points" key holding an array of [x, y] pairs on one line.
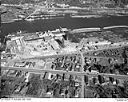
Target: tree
{"points": [[126, 87]]}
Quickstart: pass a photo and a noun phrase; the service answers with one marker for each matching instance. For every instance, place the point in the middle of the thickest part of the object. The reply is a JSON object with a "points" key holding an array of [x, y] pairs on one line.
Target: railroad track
{"points": [[85, 53]]}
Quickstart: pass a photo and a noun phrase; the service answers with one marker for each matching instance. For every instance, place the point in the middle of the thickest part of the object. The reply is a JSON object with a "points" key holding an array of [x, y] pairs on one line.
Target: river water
{"points": [[67, 22]]}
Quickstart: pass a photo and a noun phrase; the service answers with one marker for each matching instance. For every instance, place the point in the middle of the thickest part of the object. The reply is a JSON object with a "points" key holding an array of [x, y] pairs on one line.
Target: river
{"points": [[67, 22]]}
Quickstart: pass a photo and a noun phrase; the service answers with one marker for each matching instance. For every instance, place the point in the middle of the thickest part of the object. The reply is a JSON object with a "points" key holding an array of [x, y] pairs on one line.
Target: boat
{"points": [[29, 19]]}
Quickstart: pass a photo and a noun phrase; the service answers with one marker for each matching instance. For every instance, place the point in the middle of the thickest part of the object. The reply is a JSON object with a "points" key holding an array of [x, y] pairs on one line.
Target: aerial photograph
{"points": [[64, 49]]}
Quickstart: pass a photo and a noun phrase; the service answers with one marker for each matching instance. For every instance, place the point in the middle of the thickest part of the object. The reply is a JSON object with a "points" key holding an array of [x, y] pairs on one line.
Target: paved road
{"points": [[40, 71], [82, 77]]}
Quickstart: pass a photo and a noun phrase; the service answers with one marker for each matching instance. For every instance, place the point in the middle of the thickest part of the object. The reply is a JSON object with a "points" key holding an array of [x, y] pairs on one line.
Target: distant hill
{"points": [[71, 2], [19, 1]]}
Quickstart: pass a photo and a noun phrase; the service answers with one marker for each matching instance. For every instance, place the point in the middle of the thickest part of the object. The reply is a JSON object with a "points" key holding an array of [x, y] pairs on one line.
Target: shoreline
{"points": [[111, 27], [8, 22], [86, 16], [11, 21]]}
